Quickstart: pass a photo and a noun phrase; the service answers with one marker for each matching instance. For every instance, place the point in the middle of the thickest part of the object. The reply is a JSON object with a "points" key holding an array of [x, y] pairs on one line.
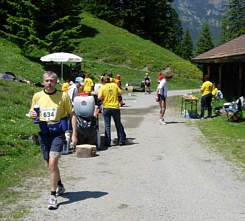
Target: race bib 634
{"points": [[48, 113]]}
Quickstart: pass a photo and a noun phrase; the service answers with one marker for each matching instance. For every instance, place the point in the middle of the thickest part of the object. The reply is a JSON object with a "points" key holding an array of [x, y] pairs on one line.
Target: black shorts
{"points": [[161, 97]]}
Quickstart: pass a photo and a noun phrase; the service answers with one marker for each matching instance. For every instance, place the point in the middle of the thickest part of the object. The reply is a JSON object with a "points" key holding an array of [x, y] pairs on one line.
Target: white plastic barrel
{"points": [[84, 106]]}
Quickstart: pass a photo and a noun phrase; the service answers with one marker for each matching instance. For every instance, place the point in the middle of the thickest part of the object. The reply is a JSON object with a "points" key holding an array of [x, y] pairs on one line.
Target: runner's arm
{"points": [[157, 92], [74, 128], [101, 98]]}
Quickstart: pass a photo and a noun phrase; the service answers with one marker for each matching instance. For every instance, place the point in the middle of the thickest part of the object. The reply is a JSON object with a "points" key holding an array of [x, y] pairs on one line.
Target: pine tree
{"points": [[177, 32], [233, 24], [109, 10], [17, 26], [3, 13], [43, 24], [187, 45], [154, 20], [205, 41]]}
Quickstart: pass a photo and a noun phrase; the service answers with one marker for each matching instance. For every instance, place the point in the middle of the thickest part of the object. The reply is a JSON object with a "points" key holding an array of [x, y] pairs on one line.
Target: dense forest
{"points": [[54, 25]]}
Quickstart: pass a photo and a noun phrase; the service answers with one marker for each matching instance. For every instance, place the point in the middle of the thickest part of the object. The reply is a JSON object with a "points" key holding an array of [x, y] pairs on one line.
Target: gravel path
{"points": [[164, 173]]}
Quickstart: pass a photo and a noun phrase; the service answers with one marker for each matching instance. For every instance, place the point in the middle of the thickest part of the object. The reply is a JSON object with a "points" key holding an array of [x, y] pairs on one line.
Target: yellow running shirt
{"points": [[65, 87], [53, 106], [206, 88], [110, 93], [214, 92], [112, 80], [88, 84]]}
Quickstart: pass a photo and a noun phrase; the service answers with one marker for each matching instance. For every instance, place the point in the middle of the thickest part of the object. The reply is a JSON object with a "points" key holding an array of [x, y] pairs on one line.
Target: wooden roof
{"points": [[232, 51]]}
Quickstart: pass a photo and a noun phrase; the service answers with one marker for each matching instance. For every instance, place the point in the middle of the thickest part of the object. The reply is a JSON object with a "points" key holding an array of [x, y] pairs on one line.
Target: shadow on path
{"points": [[129, 142], [175, 122], [81, 195]]}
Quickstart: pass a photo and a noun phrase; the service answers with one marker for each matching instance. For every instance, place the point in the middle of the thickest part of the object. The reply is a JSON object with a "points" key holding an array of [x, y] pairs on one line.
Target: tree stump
{"points": [[86, 150]]}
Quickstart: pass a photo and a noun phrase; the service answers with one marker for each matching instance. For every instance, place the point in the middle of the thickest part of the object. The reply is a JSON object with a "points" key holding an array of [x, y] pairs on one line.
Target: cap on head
{"points": [[161, 77], [146, 74], [78, 79], [118, 77]]}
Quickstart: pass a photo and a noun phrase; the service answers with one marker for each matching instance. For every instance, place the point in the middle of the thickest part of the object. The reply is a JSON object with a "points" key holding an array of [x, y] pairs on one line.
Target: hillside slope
{"points": [[117, 47], [104, 48], [13, 61]]}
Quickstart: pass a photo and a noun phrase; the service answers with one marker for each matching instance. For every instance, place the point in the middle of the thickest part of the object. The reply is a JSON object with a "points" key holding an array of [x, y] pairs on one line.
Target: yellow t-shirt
{"points": [[110, 93], [214, 92], [112, 80], [206, 88], [65, 87], [88, 84], [53, 107]]}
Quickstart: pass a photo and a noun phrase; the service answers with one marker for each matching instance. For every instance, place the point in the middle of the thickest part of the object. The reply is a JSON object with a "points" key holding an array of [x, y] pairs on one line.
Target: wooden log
{"points": [[86, 150]]}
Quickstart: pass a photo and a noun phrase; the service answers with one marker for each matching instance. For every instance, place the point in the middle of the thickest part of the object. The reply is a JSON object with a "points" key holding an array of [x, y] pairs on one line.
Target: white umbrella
{"points": [[61, 57]]}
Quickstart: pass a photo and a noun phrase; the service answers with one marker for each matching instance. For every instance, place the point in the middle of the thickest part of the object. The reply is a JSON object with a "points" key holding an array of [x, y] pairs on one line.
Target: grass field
{"points": [[19, 157], [17, 152], [223, 136], [227, 138]]}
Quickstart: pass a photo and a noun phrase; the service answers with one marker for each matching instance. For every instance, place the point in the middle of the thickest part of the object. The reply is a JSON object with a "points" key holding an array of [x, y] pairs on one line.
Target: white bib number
{"points": [[48, 113]]}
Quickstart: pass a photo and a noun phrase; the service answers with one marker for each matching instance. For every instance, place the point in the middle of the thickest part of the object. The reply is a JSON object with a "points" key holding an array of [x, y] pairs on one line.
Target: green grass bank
{"points": [[224, 137], [18, 155]]}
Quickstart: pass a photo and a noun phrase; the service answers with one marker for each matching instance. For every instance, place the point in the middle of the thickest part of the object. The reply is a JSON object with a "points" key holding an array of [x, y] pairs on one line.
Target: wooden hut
{"points": [[225, 65]]}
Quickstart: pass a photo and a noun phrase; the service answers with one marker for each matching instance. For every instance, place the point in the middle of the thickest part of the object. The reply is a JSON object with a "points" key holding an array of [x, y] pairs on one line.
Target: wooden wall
{"points": [[229, 78]]}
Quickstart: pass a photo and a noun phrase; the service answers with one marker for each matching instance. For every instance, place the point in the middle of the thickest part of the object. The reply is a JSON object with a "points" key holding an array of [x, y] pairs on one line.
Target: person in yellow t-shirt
{"points": [[53, 105], [110, 75], [119, 84], [88, 84], [102, 76], [109, 93], [214, 91], [206, 99], [65, 86]]}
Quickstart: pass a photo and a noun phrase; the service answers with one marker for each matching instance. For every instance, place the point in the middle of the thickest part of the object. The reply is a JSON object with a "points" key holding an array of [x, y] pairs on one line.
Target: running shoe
{"points": [[162, 121], [60, 190], [122, 104], [52, 203]]}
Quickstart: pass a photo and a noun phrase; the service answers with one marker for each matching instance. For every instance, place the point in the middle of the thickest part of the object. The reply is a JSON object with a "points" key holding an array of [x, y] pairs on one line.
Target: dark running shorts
{"points": [[51, 145], [161, 98]]}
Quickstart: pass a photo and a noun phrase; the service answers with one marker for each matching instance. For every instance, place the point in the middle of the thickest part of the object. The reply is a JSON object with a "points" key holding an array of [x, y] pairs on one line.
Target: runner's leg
{"points": [[54, 172]]}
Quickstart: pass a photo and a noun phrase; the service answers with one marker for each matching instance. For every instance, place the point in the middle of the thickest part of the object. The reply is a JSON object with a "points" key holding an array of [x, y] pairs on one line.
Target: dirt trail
{"points": [[164, 173]]}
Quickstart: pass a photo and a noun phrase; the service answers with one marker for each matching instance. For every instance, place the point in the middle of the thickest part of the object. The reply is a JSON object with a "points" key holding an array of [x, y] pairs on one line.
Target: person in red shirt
{"points": [[160, 77]]}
